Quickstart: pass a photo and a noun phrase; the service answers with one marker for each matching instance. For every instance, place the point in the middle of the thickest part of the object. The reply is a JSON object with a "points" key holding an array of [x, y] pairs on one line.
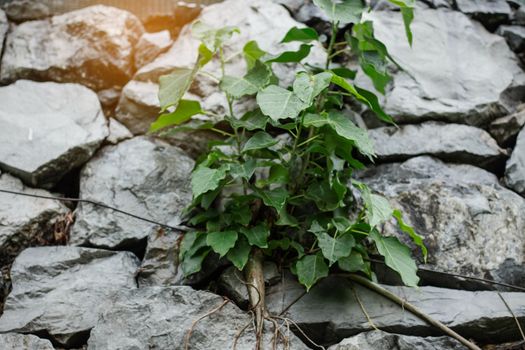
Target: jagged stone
{"points": [[4, 26], [91, 46], [49, 129], [259, 20], [150, 46], [26, 221], [489, 12], [473, 85], [515, 172], [515, 36], [450, 142], [13, 341], [505, 129], [470, 223], [143, 176], [117, 132], [61, 291]]}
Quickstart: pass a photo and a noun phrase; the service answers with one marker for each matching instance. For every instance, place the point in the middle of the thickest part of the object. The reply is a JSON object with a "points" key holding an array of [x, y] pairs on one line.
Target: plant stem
{"points": [[331, 45], [253, 273], [405, 305]]}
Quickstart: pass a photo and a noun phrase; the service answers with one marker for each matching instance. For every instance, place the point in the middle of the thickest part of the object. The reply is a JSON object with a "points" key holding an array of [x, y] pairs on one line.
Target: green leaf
{"points": [[307, 86], [323, 195], [397, 257], [252, 120], [377, 207], [344, 72], [257, 78], [292, 56], [257, 235], [342, 11], [213, 38], [244, 170], [239, 254], [191, 242], [205, 55], [204, 179], [275, 198], [279, 103], [408, 17], [193, 264], [300, 34], [173, 86], [310, 269], [286, 219], [259, 140], [335, 248], [252, 53], [221, 242], [352, 263], [417, 239], [185, 110], [278, 174]]}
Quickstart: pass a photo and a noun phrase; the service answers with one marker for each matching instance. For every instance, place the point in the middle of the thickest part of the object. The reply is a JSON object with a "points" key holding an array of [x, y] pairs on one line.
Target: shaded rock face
{"points": [[160, 318], [515, 36], [24, 342], [258, 20], [450, 85], [4, 26], [505, 129], [450, 142], [143, 176], [93, 46], [489, 12], [330, 311], [53, 128], [61, 291], [150, 46], [515, 171], [381, 340], [470, 223], [25, 221]]}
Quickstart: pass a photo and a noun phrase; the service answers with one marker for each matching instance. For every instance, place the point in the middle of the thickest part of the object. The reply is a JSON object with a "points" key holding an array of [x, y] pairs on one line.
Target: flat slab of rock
{"points": [[515, 171], [259, 20], [470, 223], [151, 45], [505, 129], [13, 341], [161, 317], [49, 129], [382, 340], [143, 176], [330, 311], [92, 46], [61, 290], [25, 221], [488, 12], [450, 142], [469, 75]]}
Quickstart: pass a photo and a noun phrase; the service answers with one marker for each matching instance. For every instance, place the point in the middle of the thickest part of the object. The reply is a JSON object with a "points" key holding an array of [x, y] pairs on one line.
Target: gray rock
{"points": [[489, 12], [133, 320], [257, 20], [24, 10], [381, 340], [4, 26], [49, 129], [515, 171], [449, 142], [92, 46], [470, 223], [505, 129], [117, 132], [330, 311], [469, 75], [150, 46], [515, 36], [62, 290], [13, 341], [26, 221], [144, 176]]}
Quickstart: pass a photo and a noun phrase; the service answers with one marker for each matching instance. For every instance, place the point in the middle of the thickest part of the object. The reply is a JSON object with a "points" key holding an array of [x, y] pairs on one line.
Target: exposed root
{"points": [[241, 331], [188, 336], [369, 319], [253, 273], [513, 315], [300, 331]]}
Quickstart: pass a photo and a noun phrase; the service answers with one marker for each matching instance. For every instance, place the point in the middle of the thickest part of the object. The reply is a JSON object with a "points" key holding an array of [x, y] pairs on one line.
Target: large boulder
{"points": [[456, 70], [470, 223], [92, 46], [150, 46], [450, 142], [505, 129], [48, 129], [489, 12], [13, 341], [259, 20], [25, 221], [331, 310], [381, 340], [143, 176], [162, 317], [515, 172], [60, 291]]}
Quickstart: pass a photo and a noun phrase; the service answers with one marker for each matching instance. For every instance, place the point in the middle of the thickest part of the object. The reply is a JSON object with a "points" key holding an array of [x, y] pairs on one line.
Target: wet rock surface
{"points": [[91, 46], [143, 176], [60, 291], [53, 128]]}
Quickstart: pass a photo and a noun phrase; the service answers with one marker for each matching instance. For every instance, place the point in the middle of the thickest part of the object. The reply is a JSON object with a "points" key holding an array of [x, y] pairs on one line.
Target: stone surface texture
{"points": [[515, 171], [515, 36], [53, 128], [13, 341], [143, 176], [150, 46], [92, 46], [4, 26], [505, 129], [62, 290], [488, 12]]}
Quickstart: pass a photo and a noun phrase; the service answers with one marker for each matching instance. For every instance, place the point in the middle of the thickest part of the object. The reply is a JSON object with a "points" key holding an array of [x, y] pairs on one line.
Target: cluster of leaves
{"points": [[281, 179]]}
